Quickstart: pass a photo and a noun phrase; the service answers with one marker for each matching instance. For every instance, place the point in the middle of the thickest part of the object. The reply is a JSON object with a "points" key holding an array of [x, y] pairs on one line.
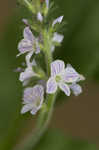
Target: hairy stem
{"points": [[48, 59], [27, 4], [47, 51]]}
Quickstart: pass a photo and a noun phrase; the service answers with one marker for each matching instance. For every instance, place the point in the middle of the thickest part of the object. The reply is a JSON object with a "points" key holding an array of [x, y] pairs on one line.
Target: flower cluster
{"points": [[44, 39]]}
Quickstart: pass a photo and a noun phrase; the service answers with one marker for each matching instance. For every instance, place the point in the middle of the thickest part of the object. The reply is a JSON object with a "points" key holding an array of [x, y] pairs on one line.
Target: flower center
{"points": [[58, 78]]}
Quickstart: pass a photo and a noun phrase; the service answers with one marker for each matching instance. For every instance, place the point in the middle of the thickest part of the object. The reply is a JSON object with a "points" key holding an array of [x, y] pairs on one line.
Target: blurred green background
{"points": [[75, 122]]}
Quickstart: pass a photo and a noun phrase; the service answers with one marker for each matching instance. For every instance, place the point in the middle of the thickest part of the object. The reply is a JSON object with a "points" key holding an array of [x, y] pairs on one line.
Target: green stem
{"points": [[30, 142], [27, 4], [48, 59], [26, 1], [47, 50]]}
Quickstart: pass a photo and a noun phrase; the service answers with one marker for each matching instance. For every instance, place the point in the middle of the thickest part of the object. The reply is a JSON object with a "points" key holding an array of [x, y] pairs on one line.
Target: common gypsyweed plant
{"points": [[40, 36]]}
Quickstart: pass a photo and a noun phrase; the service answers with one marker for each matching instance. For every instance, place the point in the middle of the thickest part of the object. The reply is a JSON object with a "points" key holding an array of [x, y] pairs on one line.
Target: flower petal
{"points": [[28, 73], [76, 88], [57, 67], [27, 96], [65, 88], [25, 21], [51, 86], [52, 48], [26, 108], [81, 78], [19, 69], [47, 3], [38, 91], [33, 94], [57, 20], [25, 46], [28, 35], [70, 74], [34, 110], [57, 37], [39, 17]]}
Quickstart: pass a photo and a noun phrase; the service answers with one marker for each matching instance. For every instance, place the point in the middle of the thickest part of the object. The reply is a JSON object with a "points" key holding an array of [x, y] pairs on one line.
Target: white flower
{"points": [[25, 21], [61, 77], [39, 17], [47, 3], [76, 88], [19, 69], [27, 74], [29, 43], [52, 48], [33, 99], [57, 38], [57, 20]]}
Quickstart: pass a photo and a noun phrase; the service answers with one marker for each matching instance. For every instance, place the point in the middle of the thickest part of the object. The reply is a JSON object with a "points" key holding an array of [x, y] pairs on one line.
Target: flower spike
{"points": [[43, 82]]}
